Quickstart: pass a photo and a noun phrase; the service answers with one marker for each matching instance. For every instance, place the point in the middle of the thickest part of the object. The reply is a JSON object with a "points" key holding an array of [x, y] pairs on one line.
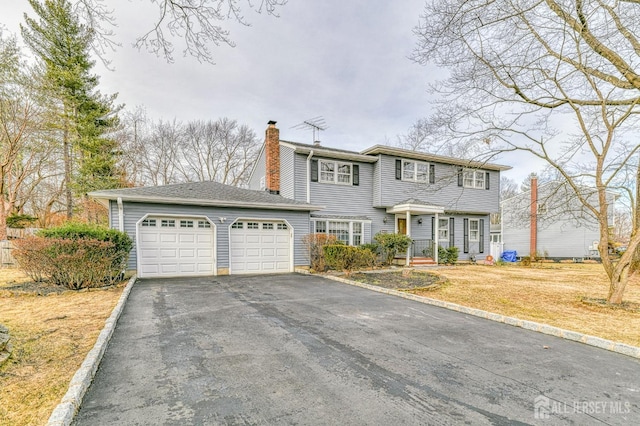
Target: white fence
{"points": [[496, 250]]}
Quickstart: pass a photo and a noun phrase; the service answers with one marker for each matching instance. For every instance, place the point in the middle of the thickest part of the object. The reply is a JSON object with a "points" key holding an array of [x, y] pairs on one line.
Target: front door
{"points": [[402, 226]]}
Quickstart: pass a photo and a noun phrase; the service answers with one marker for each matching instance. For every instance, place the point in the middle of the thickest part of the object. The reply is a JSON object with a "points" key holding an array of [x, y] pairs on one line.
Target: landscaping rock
{"points": [[5, 346]]}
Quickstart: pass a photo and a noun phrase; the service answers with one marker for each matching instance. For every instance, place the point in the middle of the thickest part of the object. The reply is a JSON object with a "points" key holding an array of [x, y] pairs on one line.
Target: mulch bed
{"points": [[395, 280], [32, 288]]}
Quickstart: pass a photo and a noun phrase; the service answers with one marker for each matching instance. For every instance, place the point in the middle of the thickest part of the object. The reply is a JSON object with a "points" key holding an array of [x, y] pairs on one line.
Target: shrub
{"points": [[75, 264], [74, 255], [122, 243], [20, 221], [346, 258], [314, 244], [391, 244], [448, 256], [372, 258]]}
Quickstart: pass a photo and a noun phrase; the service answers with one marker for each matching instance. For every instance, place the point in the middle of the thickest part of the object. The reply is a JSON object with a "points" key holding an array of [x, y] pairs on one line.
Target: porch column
{"points": [[435, 239], [408, 235]]}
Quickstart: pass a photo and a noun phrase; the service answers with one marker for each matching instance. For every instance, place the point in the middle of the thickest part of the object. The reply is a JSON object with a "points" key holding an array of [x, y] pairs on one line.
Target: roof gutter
{"points": [[208, 202], [120, 215]]}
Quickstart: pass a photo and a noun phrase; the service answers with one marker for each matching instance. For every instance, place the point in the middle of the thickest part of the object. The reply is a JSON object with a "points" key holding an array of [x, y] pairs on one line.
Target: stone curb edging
{"points": [[621, 348], [64, 412]]}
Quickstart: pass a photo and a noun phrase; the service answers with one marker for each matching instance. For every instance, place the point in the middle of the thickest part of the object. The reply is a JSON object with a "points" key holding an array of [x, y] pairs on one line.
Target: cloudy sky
{"points": [[346, 61]]}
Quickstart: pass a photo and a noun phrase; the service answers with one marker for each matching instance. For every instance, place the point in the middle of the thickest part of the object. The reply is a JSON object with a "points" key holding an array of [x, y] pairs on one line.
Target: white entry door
{"points": [[175, 247], [258, 247]]}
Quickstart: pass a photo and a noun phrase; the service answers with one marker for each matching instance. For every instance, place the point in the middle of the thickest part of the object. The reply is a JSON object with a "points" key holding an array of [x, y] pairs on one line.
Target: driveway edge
{"points": [[621, 348], [64, 412]]}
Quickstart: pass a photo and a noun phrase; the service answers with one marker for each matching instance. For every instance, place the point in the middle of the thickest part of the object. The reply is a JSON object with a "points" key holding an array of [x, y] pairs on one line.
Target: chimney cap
{"points": [[316, 143], [271, 122]]}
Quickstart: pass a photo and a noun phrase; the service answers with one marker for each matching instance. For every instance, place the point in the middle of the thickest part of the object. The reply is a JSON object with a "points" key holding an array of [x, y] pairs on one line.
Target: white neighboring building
{"points": [[549, 221]]}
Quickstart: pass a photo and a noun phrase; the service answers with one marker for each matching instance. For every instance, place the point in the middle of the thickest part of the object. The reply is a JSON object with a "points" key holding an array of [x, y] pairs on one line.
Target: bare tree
{"points": [[222, 151], [199, 24], [159, 161], [21, 131], [508, 188], [555, 80]]}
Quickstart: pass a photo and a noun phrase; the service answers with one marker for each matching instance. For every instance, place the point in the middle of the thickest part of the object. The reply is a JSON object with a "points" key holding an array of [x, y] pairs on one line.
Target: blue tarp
{"points": [[509, 255]]}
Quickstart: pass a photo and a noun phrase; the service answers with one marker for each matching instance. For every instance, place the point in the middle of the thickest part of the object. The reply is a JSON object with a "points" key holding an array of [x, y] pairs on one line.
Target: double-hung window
{"points": [[473, 179], [415, 171], [474, 230], [340, 230], [443, 229], [335, 172]]}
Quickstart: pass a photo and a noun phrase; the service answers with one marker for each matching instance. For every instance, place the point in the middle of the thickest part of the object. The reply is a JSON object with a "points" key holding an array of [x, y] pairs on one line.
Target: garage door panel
{"points": [[176, 251], [187, 238], [265, 249]]}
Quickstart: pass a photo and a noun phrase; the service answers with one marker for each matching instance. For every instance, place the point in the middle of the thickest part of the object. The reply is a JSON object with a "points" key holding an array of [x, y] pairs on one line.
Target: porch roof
{"points": [[414, 206]]}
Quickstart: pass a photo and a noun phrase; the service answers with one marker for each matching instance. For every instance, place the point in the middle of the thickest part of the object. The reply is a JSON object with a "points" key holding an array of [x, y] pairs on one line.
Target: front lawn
{"points": [[51, 330], [547, 293]]}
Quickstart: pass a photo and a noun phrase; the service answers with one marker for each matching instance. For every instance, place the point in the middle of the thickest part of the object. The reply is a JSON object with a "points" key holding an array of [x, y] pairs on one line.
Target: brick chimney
{"points": [[272, 153], [533, 239]]}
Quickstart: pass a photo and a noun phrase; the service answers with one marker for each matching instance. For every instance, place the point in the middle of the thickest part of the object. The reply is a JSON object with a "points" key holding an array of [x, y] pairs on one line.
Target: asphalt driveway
{"points": [[294, 349]]}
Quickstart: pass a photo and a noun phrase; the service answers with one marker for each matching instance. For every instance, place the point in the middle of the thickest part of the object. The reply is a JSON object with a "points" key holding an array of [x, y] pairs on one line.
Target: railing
{"points": [[422, 248]]}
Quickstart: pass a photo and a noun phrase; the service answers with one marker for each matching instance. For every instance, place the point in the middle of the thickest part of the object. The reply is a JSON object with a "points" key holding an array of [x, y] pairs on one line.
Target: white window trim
{"points": [[474, 178], [350, 222], [415, 171], [477, 231], [448, 228], [336, 165]]}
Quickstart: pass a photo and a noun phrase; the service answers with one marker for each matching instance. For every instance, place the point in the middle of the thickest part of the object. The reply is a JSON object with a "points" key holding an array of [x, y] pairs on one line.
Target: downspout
{"points": [[309, 176], [120, 215], [436, 243]]}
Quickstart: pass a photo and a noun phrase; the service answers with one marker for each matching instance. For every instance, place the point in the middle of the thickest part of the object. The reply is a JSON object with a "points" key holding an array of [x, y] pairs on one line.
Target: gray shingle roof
{"points": [[204, 193]]}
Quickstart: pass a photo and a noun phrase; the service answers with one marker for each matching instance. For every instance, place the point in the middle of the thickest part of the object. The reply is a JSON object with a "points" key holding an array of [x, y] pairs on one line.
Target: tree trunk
{"points": [[66, 145], [618, 283]]}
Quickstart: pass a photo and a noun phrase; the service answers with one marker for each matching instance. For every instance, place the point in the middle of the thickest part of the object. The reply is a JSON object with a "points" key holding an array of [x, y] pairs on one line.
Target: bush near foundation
{"points": [[314, 244], [346, 258], [75, 255]]}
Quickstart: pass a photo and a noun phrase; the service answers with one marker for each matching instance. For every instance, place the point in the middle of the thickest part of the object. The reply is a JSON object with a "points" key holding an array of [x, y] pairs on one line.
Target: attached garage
{"points": [[175, 246], [260, 246], [208, 228]]}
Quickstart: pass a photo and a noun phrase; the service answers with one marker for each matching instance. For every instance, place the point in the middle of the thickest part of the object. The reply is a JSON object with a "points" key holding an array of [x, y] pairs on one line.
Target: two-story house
{"points": [[206, 228], [435, 200]]}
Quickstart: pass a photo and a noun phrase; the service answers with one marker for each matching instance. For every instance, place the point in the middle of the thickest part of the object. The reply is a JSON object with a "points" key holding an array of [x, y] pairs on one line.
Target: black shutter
{"points": [[314, 170], [460, 177], [481, 242], [465, 223], [356, 175], [486, 180], [433, 228], [432, 173], [398, 169], [451, 232]]}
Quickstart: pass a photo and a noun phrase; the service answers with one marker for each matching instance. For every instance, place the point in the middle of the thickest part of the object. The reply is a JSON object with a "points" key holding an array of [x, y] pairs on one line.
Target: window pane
{"points": [[344, 173], [168, 223], [422, 172], [267, 226], [340, 230], [408, 170], [321, 227], [186, 224], [474, 225], [203, 224], [282, 226], [479, 177], [443, 229], [238, 225], [253, 225], [327, 171], [468, 179]]}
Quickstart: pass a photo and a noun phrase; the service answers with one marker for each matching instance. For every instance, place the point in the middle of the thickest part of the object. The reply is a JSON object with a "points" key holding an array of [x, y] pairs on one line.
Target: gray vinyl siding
{"points": [[300, 176], [133, 212], [259, 171], [444, 192], [287, 181], [377, 179]]}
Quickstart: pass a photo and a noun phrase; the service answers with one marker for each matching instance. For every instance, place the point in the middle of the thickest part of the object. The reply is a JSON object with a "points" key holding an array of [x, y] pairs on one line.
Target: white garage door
{"points": [[175, 247], [258, 247]]}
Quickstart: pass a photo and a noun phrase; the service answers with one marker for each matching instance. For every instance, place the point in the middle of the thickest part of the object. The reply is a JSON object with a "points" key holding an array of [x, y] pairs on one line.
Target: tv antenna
{"points": [[316, 124]]}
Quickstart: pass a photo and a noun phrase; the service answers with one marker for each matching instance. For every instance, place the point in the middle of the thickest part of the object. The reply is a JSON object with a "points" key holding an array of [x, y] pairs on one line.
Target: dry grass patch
{"points": [[51, 336], [547, 293]]}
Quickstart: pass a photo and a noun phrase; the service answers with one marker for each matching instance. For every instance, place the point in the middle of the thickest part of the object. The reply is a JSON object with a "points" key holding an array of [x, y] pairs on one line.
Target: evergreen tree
{"points": [[82, 115]]}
